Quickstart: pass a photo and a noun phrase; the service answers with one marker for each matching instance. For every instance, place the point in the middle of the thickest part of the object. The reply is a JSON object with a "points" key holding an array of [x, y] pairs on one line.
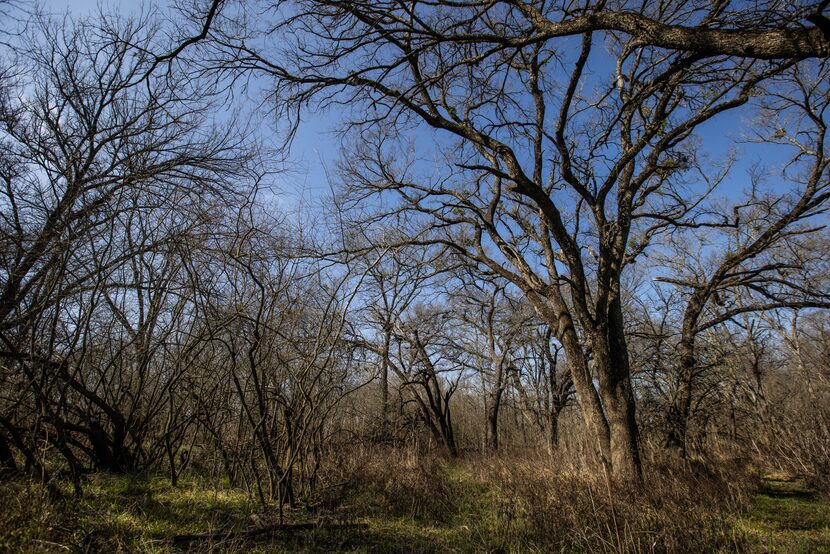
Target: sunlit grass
{"points": [[151, 507]]}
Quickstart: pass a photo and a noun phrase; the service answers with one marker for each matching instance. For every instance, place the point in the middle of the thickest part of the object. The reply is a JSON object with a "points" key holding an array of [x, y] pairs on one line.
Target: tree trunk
{"points": [[611, 421], [589, 403], [613, 373], [492, 436], [681, 406], [7, 463], [618, 401], [625, 450], [553, 422], [449, 438], [384, 376]]}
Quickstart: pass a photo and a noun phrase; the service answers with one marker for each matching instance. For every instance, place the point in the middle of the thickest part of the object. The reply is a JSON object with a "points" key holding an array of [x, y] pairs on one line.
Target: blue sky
{"points": [[314, 150], [86, 7], [316, 147]]}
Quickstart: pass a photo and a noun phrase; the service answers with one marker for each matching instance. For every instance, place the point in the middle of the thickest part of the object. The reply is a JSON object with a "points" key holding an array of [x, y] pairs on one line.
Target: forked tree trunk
{"points": [[619, 399], [596, 425], [609, 414]]}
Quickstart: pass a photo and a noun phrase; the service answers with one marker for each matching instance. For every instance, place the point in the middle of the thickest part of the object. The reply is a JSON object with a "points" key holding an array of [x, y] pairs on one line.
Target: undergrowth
{"points": [[400, 502]]}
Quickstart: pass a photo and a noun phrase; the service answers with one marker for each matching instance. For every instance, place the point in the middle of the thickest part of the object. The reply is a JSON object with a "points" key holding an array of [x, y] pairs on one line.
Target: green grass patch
{"points": [[118, 514], [440, 508], [786, 516]]}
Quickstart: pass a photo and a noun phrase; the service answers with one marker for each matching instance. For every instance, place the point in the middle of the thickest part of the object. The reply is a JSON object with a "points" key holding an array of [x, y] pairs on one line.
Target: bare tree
{"points": [[396, 278], [769, 260], [541, 379], [553, 188], [424, 356], [493, 322], [107, 170]]}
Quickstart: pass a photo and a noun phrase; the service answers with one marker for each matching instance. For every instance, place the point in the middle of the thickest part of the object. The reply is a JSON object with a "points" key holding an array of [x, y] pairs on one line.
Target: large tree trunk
{"points": [[625, 448], [618, 402], [610, 421], [611, 365], [625, 439], [589, 403]]}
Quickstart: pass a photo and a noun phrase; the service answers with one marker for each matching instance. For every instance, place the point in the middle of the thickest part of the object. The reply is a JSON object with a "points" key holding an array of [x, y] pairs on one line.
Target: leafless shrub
{"points": [[389, 482]]}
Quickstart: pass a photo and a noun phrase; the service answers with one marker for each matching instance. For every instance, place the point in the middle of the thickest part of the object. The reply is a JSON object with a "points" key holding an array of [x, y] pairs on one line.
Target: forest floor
{"points": [[133, 514], [786, 516]]}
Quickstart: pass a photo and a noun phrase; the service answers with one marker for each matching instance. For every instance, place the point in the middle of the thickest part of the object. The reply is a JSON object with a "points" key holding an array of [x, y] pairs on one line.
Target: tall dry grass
{"points": [[536, 503]]}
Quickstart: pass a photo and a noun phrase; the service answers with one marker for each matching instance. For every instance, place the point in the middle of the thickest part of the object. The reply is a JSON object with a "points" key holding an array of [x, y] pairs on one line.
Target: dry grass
{"points": [[675, 510], [416, 503], [521, 504]]}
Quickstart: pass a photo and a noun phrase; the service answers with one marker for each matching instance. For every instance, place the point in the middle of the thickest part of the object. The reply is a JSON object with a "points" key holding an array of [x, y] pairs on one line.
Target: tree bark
{"points": [[625, 436], [492, 436], [597, 426], [793, 43], [680, 407]]}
